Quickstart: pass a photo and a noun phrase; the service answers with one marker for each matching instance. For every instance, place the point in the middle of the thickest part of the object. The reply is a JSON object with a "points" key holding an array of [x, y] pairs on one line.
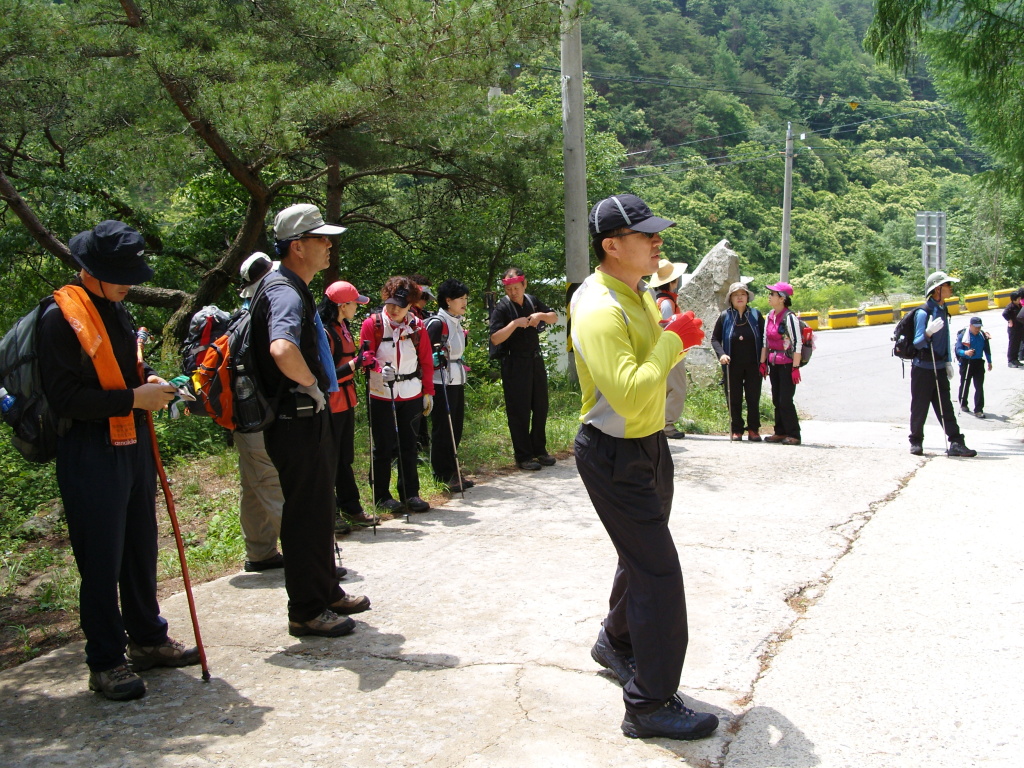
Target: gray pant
{"points": [[262, 500], [675, 396]]}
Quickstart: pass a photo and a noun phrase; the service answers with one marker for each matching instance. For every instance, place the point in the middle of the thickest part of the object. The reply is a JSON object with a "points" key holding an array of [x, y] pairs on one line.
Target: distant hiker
{"points": [[622, 453], [294, 366], [1015, 327], [105, 466], [665, 285], [515, 328], [932, 369], [338, 307], [780, 360], [397, 353], [448, 341], [737, 340], [972, 344]]}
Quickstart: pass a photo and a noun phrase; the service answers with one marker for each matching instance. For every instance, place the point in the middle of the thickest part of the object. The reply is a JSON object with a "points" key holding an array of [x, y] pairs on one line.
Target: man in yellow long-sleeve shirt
{"points": [[623, 357]]}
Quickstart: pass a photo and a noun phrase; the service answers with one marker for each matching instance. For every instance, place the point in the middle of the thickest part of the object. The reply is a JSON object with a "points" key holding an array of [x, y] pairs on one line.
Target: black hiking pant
{"points": [[783, 391], [630, 484], [1016, 334], [973, 371], [442, 449], [524, 380], [928, 387], [742, 380], [388, 445], [346, 491]]}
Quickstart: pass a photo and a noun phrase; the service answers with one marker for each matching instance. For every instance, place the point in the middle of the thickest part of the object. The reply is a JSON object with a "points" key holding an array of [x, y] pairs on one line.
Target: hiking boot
{"points": [[753, 437], [959, 449], [327, 624], [775, 438], [394, 506], [256, 566], [363, 518], [620, 665], [350, 604], [547, 460], [676, 434], [169, 653], [340, 573], [964, 408], [118, 684], [979, 414], [416, 504], [735, 437], [1014, 364], [791, 441], [341, 525], [673, 720], [916, 449], [531, 465]]}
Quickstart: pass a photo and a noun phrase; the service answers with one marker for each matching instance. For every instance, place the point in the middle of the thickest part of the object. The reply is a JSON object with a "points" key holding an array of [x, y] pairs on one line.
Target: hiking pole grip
{"points": [[141, 337]]}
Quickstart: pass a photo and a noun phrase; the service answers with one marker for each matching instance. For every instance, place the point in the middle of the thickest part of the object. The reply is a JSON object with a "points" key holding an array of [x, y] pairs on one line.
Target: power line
{"points": [[703, 165]]}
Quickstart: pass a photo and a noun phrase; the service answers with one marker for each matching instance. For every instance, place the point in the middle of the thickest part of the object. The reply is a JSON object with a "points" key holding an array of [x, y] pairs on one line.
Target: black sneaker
{"points": [[979, 414], [531, 465], [416, 504], [964, 408], [959, 449], [916, 449], [117, 684], [393, 506], [620, 665], [256, 566], [673, 720], [547, 460]]}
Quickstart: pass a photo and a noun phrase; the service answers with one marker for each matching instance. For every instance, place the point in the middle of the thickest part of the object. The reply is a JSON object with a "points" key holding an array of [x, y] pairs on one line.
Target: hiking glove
{"points": [[314, 392], [796, 376], [428, 405], [949, 371], [388, 373], [763, 370], [934, 325], [369, 361], [687, 328]]}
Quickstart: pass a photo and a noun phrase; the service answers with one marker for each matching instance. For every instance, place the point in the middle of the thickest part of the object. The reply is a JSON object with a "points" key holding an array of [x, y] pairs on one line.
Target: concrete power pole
{"points": [[577, 261], [787, 204]]}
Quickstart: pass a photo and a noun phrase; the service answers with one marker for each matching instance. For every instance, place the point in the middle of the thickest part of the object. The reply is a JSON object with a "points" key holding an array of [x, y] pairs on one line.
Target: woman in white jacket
{"points": [[448, 342]]}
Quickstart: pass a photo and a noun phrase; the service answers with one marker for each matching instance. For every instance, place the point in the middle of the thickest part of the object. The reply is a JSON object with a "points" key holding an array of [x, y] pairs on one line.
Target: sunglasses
{"points": [[648, 235]]}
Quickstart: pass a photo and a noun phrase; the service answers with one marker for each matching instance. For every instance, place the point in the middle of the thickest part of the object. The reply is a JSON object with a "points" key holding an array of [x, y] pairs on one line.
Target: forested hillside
{"points": [[699, 93], [195, 122]]}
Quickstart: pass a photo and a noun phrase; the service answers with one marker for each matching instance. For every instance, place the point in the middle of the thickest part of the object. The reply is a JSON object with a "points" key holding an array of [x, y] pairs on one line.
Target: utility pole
{"points": [[787, 204], [577, 261]]}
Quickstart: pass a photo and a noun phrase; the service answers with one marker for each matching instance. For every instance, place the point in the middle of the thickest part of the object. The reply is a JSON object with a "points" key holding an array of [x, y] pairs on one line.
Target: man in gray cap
{"points": [[932, 369], [295, 368], [105, 466]]}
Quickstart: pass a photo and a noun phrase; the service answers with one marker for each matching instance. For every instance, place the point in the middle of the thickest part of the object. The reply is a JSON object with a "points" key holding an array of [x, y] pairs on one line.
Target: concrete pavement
{"points": [[864, 611]]}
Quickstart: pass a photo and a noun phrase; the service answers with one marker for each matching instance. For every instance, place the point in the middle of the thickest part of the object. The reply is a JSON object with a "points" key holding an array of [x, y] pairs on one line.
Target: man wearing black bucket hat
{"points": [[295, 368], [105, 466], [624, 357]]}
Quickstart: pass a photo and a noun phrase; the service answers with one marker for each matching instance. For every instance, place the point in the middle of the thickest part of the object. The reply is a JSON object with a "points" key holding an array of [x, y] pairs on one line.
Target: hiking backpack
{"points": [[903, 337], [807, 339], [444, 337], [36, 427], [207, 324], [224, 381]]}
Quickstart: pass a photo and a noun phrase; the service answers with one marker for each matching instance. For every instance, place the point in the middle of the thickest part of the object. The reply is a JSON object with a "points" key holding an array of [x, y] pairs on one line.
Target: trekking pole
{"points": [[728, 395], [398, 442], [141, 337], [369, 427], [451, 429], [938, 396]]}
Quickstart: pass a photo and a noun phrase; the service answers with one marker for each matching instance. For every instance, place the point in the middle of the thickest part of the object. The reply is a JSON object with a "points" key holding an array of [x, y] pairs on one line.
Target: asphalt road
{"points": [[853, 377]]}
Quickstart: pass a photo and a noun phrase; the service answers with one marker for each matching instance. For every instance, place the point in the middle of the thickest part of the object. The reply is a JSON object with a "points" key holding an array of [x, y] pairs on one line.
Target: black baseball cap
{"points": [[620, 211]]}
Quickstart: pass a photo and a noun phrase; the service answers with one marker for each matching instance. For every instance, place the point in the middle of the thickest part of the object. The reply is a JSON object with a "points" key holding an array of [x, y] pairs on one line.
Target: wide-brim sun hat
{"points": [[112, 252], [780, 287], [740, 287], [667, 272], [935, 279]]}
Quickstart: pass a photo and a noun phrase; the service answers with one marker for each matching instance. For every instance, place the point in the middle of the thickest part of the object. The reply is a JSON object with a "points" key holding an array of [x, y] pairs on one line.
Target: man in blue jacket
{"points": [[972, 350], [932, 369]]}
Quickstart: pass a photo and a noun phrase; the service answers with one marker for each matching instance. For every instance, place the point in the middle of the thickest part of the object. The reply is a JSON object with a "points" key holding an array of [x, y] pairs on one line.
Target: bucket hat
{"points": [[112, 252], [740, 287], [935, 279]]}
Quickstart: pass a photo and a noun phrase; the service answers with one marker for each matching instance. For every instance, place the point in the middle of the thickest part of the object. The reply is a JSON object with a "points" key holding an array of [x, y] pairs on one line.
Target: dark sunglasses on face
{"points": [[648, 235]]}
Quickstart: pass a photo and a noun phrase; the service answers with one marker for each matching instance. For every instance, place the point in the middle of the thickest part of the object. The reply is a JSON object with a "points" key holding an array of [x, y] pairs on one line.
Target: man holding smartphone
{"points": [[294, 367]]}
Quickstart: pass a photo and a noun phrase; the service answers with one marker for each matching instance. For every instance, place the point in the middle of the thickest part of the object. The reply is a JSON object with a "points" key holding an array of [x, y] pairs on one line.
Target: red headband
{"points": [[513, 280]]}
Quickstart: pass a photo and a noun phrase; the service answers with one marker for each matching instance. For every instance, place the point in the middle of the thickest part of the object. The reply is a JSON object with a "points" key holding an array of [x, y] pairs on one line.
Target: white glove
{"points": [[314, 392], [949, 371], [428, 405], [935, 324], [388, 373]]}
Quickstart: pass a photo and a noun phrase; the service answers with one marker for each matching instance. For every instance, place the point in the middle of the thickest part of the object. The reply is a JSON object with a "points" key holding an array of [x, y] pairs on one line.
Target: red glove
{"points": [[686, 327], [763, 370], [369, 361], [796, 376]]}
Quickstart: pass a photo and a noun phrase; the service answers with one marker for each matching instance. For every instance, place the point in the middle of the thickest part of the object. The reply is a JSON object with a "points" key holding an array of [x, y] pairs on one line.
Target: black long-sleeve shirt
{"points": [[69, 376]]}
